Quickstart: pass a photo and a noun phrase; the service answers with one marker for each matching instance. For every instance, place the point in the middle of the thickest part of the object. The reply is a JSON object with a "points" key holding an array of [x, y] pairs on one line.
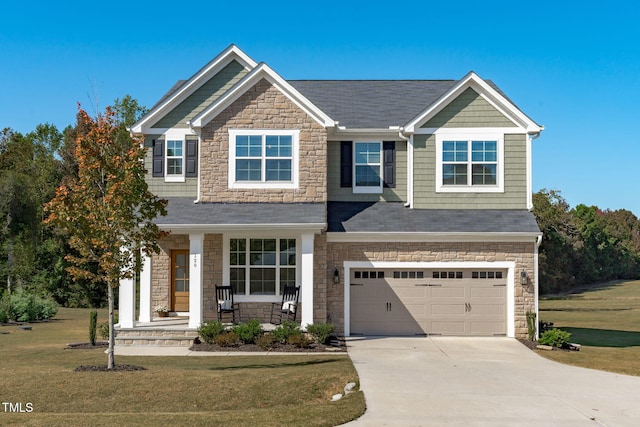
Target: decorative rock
{"points": [[25, 327], [349, 388], [544, 347], [336, 397]]}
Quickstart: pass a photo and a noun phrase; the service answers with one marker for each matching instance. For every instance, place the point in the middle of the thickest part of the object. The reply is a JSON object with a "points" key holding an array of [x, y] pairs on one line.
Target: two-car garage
{"points": [[428, 301]]}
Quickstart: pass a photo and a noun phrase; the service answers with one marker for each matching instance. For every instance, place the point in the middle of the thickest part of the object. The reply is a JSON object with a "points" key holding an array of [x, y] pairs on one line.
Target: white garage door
{"points": [[419, 302]]}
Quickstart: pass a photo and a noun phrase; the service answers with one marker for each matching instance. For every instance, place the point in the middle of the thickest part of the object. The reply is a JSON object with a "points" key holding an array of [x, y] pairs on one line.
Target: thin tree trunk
{"points": [[111, 364], [9, 266]]}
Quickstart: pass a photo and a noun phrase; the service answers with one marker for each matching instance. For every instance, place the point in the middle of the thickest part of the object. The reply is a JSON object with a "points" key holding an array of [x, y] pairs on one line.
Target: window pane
{"points": [[263, 252], [367, 152], [174, 166], [454, 151], [255, 145], [287, 278], [278, 146], [278, 170], [174, 148], [238, 255], [248, 170], [242, 146], [288, 252], [237, 280], [262, 281], [248, 146], [484, 174], [367, 176], [484, 151], [454, 174]]}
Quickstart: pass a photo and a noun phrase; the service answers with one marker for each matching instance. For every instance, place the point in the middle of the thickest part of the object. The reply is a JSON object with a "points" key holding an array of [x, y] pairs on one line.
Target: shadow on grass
{"points": [[603, 337], [276, 365], [583, 309]]}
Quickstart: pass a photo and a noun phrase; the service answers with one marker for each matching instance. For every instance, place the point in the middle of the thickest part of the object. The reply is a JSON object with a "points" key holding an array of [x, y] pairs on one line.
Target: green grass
{"points": [[256, 390], [605, 320]]}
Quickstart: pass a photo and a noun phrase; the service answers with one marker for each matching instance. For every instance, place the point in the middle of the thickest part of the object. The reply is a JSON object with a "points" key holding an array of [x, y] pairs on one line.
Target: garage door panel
{"points": [[487, 291], [447, 292], [448, 327], [457, 309], [487, 328]]}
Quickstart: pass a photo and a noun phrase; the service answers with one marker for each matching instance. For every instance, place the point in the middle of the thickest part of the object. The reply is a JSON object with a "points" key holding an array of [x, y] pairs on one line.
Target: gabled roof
{"points": [[262, 71], [184, 88]]}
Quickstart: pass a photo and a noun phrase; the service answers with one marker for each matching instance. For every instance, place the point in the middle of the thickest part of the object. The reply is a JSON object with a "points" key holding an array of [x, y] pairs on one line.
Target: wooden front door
{"points": [[180, 280]]}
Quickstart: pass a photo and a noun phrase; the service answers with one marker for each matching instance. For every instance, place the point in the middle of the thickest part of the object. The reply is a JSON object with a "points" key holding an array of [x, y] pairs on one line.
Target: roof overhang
{"points": [[231, 53], [432, 237], [495, 98], [223, 228], [262, 71]]}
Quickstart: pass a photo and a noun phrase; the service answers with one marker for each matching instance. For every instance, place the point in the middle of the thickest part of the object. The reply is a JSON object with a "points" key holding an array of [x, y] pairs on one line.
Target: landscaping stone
{"points": [[349, 388], [336, 397], [544, 347]]}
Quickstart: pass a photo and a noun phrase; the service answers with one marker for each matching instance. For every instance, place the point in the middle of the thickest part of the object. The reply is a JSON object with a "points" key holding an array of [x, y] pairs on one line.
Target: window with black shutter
{"points": [[346, 160], [191, 158], [158, 158], [389, 163]]}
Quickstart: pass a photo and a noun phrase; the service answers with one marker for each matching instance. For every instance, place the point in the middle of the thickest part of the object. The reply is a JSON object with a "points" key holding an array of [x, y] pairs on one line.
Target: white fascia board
{"points": [[211, 228], [431, 237], [472, 80], [367, 134], [262, 71], [196, 81]]}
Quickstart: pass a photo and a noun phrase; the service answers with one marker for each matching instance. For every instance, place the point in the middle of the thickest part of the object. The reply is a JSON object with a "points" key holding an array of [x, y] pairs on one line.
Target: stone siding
{"points": [[263, 107]]}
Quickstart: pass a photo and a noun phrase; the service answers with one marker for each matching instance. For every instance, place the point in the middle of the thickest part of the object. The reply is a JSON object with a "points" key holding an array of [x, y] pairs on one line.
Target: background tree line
{"points": [[585, 244], [32, 166]]}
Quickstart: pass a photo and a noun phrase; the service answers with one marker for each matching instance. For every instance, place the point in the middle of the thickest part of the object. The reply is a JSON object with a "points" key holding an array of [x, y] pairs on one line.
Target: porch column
{"points": [[145, 290], [127, 303], [306, 290], [196, 246]]}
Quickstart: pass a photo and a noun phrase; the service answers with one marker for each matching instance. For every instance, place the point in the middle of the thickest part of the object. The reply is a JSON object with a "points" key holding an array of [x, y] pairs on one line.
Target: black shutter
{"points": [[346, 161], [389, 163], [191, 158], [158, 157]]}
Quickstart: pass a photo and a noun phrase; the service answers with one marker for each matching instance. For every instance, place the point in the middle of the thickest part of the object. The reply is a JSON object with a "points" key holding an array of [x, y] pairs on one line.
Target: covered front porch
{"points": [[229, 246]]}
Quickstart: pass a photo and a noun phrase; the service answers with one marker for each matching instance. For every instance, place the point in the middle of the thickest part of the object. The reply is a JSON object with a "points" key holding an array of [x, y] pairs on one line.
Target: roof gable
{"points": [[189, 87], [491, 95]]}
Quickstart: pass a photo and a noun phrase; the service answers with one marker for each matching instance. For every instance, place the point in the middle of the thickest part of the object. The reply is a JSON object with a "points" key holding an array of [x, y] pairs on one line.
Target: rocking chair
{"points": [[288, 308]]}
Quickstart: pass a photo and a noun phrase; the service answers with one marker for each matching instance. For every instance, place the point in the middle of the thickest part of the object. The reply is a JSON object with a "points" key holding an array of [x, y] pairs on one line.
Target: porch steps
{"points": [[169, 333]]}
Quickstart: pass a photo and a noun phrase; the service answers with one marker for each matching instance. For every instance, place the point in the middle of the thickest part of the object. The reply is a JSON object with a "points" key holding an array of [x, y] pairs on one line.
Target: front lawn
{"points": [[605, 320], [256, 390]]}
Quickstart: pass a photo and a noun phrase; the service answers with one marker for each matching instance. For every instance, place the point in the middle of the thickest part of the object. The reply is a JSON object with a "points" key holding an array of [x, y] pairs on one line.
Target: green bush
{"points": [[266, 342], [555, 337], [299, 340], [248, 332], [4, 312], [103, 328], [208, 331], [226, 339], [282, 333], [531, 324], [320, 331], [26, 307]]}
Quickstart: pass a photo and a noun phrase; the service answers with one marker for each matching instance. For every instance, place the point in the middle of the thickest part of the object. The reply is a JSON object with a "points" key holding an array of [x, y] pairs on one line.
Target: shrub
{"points": [[544, 326], [555, 337], [208, 331], [226, 339], [248, 332], [300, 340], [103, 328], [266, 342], [320, 331], [531, 324], [282, 333], [25, 307], [93, 325], [4, 311]]}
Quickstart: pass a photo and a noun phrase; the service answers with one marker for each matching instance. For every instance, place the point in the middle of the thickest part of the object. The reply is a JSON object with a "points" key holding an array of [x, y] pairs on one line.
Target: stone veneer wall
{"points": [[520, 253], [161, 269], [263, 107]]}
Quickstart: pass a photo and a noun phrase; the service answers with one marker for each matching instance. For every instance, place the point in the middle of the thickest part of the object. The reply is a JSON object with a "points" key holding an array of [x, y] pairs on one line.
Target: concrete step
{"points": [[156, 337]]}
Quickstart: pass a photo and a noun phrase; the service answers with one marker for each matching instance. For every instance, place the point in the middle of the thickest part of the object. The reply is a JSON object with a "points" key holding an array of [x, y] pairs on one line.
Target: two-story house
{"points": [[399, 207]]}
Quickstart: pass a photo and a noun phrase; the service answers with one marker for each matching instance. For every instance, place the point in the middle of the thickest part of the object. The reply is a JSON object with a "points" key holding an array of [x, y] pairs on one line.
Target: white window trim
{"points": [[226, 247], [373, 189], [295, 142], [460, 136], [174, 137]]}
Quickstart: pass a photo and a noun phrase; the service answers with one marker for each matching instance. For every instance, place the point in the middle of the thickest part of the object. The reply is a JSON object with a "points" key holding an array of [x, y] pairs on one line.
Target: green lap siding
{"points": [[335, 193], [188, 188], [515, 180], [468, 110], [203, 97]]}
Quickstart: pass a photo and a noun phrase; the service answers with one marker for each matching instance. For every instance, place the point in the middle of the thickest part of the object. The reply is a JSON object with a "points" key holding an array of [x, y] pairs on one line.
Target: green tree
{"points": [[107, 211]]}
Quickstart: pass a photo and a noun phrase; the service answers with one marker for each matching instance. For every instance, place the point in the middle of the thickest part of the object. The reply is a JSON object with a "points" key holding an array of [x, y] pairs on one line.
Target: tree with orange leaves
{"points": [[107, 210]]}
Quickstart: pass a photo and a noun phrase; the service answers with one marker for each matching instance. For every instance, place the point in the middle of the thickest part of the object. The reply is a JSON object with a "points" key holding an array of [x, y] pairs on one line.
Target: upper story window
{"points": [[175, 157], [367, 167], [263, 158], [469, 163]]}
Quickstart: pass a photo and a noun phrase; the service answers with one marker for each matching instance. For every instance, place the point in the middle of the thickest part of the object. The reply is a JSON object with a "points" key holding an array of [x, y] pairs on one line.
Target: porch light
{"points": [[336, 276], [524, 280]]}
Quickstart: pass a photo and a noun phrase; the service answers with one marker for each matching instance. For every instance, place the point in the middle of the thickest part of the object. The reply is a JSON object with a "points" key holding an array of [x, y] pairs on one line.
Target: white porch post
{"points": [[196, 246], [145, 290], [127, 303], [306, 289]]}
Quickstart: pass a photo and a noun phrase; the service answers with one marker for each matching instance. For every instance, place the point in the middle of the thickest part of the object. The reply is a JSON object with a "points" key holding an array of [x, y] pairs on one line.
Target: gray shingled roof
{"points": [[394, 217], [182, 211], [367, 104]]}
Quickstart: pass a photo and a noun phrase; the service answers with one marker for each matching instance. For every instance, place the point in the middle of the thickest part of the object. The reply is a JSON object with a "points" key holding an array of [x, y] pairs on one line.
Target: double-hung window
{"points": [[469, 163], [175, 158], [262, 266], [263, 158], [367, 167]]}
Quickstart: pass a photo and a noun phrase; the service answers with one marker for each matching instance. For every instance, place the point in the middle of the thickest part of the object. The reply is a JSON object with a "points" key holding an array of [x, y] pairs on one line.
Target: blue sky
{"points": [[573, 69]]}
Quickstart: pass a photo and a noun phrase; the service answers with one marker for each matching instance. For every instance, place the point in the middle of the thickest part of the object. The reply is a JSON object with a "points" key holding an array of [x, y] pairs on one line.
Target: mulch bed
{"points": [[103, 368], [86, 345], [337, 347]]}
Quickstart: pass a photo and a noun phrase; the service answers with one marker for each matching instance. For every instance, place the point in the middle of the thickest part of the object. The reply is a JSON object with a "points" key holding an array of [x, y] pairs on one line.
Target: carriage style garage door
{"points": [[421, 301]]}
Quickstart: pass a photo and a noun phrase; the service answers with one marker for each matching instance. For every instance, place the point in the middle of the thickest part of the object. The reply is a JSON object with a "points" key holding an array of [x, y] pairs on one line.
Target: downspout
{"points": [[409, 141], [530, 137], [197, 200]]}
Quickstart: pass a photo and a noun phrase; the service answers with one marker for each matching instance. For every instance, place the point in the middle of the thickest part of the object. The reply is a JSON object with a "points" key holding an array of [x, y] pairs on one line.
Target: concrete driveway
{"points": [[446, 381]]}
